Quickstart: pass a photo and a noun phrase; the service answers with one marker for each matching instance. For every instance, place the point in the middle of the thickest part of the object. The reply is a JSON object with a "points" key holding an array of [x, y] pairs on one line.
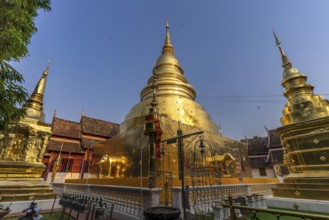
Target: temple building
{"points": [[266, 156], [304, 134], [71, 145], [173, 102], [22, 149]]}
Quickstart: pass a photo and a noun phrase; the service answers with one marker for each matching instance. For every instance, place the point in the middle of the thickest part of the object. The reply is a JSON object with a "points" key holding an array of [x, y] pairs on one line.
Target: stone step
{"points": [[24, 190], [301, 193], [303, 185], [306, 180], [26, 196], [24, 186]]}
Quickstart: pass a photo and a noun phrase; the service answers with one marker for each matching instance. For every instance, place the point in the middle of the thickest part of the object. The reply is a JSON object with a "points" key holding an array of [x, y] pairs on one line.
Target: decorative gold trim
{"points": [[305, 135], [323, 158], [312, 166], [316, 141], [309, 150], [297, 193]]}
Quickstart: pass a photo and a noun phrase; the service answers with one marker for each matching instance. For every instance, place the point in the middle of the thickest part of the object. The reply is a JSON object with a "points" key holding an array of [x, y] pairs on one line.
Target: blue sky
{"points": [[103, 53]]}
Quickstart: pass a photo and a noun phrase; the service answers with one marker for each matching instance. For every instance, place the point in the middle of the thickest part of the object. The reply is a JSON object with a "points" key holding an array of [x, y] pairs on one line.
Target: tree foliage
{"points": [[16, 28], [11, 95]]}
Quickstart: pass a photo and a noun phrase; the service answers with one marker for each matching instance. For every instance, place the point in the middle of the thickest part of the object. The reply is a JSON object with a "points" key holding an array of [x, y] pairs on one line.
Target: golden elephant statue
{"points": [[107, 161]]}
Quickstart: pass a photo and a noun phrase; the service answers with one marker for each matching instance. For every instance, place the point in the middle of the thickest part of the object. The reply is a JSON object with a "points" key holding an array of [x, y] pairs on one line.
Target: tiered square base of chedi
{"points": [[301, 193], [21, 190], [21, 152], [310, 205], [303, 188], [21, 181]]}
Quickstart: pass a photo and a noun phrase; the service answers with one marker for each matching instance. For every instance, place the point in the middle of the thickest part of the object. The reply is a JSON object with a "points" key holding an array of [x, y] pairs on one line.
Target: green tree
{"points": [[16, 28]]}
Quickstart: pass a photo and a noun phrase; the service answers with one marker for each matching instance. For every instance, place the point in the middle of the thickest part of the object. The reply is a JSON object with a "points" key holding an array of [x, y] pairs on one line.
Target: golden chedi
{"points": [[175, 104], [21, 152], [305, 136]]}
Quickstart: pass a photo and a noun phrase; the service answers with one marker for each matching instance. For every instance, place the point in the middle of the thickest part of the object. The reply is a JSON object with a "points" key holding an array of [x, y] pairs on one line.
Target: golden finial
{"points": [[45, 73], [286, 64], [82, 112], [277, 41], [54, 115], [40, 88], [167, 42], [167, 47]]}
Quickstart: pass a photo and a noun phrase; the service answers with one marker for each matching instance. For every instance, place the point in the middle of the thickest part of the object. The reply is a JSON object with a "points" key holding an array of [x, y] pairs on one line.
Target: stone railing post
{"points": [[152, 197], [248, 190], [177, 197], [64, 188], [88, 190]]}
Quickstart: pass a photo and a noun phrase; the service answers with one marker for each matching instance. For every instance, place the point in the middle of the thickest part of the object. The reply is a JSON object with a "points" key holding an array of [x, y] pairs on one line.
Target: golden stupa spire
{"points": [[286, 64], [169, 75], [303, 104], [167, 47], [34, 105]]}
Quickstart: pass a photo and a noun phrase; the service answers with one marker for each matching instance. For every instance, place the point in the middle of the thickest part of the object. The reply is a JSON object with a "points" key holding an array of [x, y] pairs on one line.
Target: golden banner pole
{"points": [[53, 174]]}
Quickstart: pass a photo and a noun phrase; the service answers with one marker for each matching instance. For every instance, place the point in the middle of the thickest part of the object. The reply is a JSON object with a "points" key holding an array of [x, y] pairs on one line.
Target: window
{"points": [[262, 171], [66, 165]]}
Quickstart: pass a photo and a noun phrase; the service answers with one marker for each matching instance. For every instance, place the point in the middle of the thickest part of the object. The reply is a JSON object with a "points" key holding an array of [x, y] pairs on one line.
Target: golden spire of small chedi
{"points": [[304, 134], [175, 102], [34, 105], [22, 150], [303, 104]]}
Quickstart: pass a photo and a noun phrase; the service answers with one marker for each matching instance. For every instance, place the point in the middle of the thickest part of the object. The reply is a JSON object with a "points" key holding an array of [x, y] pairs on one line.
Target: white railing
{"points": [[130, 202], [202, 199]]}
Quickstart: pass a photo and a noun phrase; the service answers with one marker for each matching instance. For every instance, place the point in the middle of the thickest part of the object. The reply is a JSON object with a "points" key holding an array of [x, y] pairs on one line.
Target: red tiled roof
{"points": [[65, 128], [274, 139], [69, 130], [87, 143], [67, 146], [257, 146], [98, 127]]}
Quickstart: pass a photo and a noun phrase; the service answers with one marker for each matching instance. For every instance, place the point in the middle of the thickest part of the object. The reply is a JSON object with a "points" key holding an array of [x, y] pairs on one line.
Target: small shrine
{"points": [[22, 149]]}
